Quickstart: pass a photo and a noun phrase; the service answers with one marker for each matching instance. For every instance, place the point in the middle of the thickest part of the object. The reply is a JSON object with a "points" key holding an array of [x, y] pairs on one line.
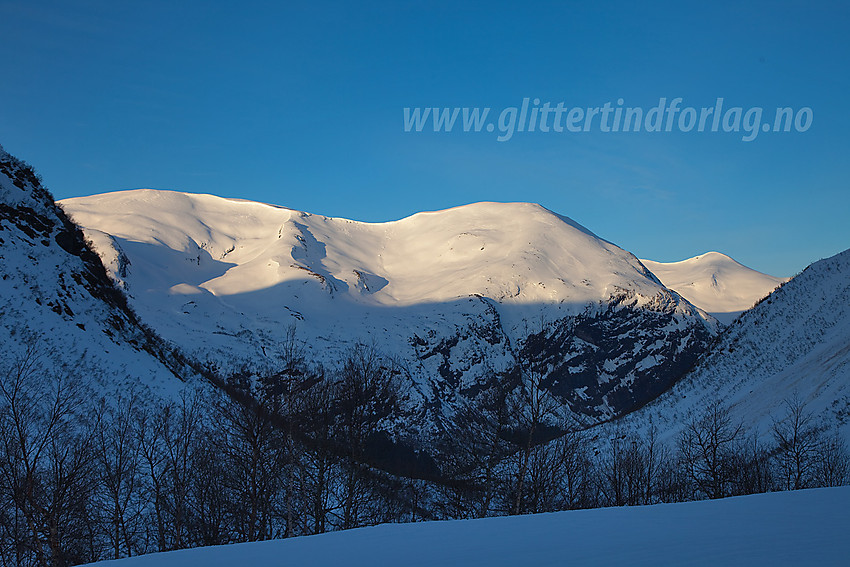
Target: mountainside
{"points": [[58, 304], [806, 527], [459, 297], [715, 283], [499, 326], [796, 342]]}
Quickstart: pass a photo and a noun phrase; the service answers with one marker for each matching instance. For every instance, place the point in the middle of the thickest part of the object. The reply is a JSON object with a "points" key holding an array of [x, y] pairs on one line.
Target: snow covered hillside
{"points": [[458, 296], [806, 527], [57, 302], [715, 283], [514, 253], [794, 342]]}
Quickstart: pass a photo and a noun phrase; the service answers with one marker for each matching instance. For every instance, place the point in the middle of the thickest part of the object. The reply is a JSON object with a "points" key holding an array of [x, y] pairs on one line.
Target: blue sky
{"points": [[302, 105]]}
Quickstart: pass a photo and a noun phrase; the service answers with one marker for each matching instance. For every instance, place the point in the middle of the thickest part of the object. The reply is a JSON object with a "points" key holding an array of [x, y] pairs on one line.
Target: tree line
{"points": [[292, 453]]}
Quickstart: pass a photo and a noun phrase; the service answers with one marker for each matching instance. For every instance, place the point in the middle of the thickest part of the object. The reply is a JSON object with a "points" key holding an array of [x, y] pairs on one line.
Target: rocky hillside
{"points": [[58, 305], [794, 343]]}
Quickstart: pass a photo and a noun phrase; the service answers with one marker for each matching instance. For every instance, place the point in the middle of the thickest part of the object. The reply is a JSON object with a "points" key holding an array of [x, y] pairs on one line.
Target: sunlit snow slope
{"points": [[806, 527], [715, 283], [454, 294], [514, 253]]}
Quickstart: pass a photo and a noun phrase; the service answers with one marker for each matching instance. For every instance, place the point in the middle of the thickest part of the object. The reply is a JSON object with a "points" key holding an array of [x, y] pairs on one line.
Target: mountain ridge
{"points": [[459, 296]]}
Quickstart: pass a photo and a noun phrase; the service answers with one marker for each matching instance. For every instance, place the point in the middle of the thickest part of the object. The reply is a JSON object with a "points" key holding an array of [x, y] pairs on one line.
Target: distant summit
{"points": [[715, 283]]}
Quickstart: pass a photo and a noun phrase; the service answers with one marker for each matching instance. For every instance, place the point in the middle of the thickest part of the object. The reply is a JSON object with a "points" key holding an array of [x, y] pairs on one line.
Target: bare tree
{"points": [[367, 392], [169, 441], [752, 468], [150, 429], [47, 456], [212, 502], [531, 406], [256, 454], [832, 465], [797, 439], [474, 457], [560, 475], [707, 449], [617, 468], [319, 462], [575, 480], [118, 456], [657, 462]]}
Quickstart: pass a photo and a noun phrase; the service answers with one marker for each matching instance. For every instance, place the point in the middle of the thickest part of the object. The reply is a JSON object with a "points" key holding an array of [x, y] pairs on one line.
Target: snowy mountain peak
{"points": [[715, 283], [515, 252]]}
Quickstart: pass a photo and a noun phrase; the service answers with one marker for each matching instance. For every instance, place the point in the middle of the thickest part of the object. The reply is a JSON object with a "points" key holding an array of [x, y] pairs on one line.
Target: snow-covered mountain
{"points": [[459, 296], [169, 288], [58, 303], [796, 342], [715, 283]]}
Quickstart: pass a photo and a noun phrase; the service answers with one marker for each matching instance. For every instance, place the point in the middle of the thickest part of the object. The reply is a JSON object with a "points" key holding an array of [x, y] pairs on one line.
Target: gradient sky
{"points": [[300, 104]]}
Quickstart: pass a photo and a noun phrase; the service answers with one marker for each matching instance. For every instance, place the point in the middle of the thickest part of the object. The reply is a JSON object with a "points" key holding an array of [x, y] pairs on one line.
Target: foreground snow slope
{"points": [[455, 295], [806, 527], [715, 283], [794, 342]]}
